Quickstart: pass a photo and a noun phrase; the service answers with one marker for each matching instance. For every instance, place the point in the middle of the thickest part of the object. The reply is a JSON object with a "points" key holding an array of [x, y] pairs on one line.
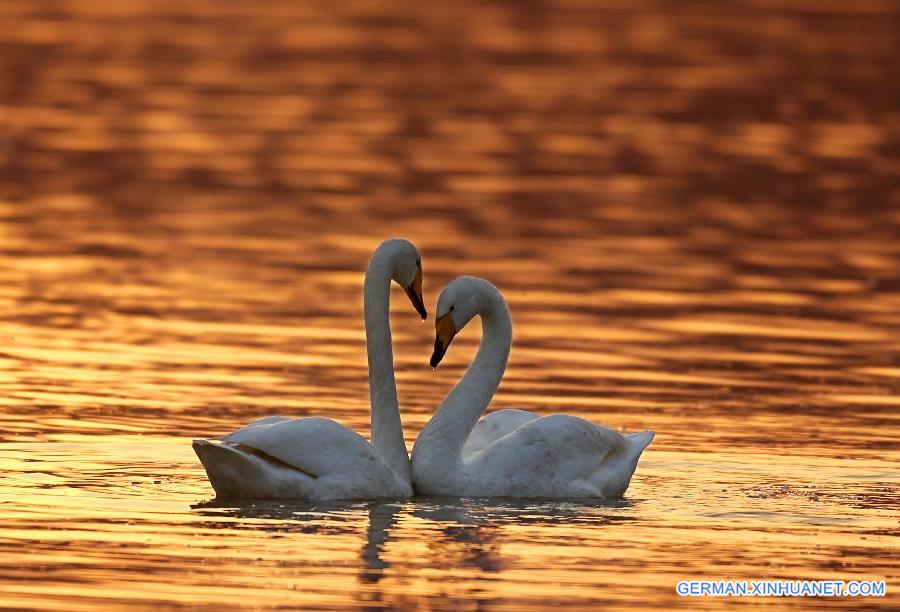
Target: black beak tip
{"points": [[438, 354], [417, 302]]}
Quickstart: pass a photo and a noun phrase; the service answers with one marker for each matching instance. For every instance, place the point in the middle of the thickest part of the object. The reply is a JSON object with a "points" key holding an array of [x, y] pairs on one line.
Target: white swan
{"points": [[316, 458], [510, 452]]}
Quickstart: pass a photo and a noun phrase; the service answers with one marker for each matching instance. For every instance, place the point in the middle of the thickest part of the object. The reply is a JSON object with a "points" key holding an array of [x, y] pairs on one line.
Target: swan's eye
{"points": [[451, 308]]}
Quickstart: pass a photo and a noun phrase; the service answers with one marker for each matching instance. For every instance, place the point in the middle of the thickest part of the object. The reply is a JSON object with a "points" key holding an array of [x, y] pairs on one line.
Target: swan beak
{"points": [[444, 332], [414, 291]]}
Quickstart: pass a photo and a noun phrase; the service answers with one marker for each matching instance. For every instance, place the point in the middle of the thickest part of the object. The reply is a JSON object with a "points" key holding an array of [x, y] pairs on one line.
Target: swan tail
{"points": [[614, 475], [227, 468], [637, 442], [235, 473]]}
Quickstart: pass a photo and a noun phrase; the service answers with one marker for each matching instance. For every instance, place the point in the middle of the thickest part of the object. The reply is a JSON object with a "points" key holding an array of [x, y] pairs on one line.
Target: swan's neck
{"points": [[443, 438], [387, 430]]}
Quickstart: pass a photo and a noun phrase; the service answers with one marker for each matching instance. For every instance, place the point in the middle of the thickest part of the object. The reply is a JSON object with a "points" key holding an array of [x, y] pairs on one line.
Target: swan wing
{"points": [[316, 446], [493, 426], [311, 458], [549, 455], [269, 420]]}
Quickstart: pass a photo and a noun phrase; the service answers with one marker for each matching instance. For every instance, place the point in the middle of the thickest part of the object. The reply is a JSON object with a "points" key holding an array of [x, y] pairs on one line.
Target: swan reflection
{"points": [[501, 510], [328, 518], [460, 532]]}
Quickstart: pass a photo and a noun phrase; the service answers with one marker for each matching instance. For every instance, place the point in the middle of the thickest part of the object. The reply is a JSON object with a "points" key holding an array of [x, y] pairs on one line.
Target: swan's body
{"points": [[317, 458], [510, 452]]}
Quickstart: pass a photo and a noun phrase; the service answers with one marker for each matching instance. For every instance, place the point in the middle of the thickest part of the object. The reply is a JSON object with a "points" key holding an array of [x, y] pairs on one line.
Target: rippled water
{"points": [[693, 211]]}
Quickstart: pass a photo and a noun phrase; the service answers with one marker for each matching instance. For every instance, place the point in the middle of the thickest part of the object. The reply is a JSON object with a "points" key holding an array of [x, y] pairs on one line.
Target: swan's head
{"points": [[458, 304], [406, 271]]}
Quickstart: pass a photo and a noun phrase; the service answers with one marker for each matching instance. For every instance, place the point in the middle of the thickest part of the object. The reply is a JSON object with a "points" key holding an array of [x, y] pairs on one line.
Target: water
{"points": [[692, 210]]}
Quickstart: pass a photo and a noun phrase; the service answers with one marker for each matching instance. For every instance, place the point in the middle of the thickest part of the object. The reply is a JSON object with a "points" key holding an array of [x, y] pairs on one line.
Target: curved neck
{"points": [[387, 430], [449, 428]]}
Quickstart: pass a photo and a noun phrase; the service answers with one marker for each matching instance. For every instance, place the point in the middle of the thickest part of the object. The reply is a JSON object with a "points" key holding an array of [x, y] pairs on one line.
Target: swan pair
{"points": [[510, 453]]}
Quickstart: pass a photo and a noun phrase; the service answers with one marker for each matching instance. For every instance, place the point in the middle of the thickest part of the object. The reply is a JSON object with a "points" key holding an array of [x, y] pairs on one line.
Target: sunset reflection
{"points": [[693, 211]]}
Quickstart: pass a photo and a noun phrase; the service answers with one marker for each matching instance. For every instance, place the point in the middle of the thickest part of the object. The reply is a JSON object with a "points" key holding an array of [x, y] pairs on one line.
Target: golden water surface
{"points": [[692, 209]]}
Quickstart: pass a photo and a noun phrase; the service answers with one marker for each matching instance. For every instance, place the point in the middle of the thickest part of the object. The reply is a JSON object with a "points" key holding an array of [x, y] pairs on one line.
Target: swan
{"points": [[316, 458], [510, 453]]}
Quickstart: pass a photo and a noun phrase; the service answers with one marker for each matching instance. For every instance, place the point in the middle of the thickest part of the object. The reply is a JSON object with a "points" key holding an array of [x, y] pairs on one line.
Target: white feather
{"points": [[317, 458], [511, 452]]}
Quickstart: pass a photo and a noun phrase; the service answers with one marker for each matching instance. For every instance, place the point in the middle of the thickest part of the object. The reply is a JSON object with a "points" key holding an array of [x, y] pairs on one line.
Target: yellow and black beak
{"points": [[444, 331], [414, 291]]}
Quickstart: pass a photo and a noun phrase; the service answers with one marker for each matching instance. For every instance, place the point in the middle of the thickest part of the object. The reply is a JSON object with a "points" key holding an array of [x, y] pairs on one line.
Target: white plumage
{"points": [[317, 458], [510, 452]]}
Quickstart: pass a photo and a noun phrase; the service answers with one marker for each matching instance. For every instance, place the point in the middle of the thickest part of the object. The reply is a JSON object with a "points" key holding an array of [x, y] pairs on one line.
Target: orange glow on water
{"points": [[692, 211]]}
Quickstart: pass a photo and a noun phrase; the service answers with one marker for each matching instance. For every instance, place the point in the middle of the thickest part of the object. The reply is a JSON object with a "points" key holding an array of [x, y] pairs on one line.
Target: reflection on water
{"points": [[290, 517], [692, 210]]}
